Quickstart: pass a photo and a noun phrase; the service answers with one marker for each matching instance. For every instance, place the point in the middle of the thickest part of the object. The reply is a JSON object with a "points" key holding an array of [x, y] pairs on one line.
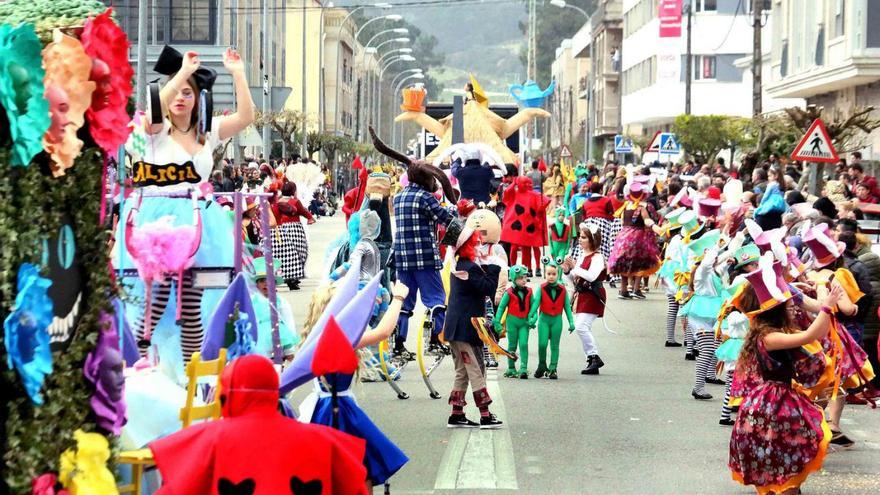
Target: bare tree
{"points": [[286, 123]]}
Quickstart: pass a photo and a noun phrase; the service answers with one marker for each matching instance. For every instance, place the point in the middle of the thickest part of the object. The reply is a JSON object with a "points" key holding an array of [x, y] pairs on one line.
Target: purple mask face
{"points": [[103, 368], [110, 376]]}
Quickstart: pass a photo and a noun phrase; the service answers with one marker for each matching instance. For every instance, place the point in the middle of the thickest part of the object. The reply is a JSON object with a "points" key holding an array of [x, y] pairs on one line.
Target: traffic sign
{"points": [[669, 144], [565, 152], [816, 145], [622, 144], [654, 145]]}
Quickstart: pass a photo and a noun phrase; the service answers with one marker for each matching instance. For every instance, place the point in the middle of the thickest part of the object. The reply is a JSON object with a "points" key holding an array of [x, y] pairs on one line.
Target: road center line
{"points": [[480, 459]]}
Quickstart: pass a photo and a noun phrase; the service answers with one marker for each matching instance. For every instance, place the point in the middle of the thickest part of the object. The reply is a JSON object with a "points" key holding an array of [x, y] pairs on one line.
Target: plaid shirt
{"points": [[416, 215]]}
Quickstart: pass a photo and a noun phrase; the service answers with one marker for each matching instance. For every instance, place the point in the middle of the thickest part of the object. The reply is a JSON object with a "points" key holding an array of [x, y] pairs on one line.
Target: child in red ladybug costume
{"points": [[517, 300], [525, 222], [548, 304]]}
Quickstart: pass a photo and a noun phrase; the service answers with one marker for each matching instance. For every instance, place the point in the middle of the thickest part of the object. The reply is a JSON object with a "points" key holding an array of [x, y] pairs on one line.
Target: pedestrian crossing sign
{"points": [[622, 144], [669, 144], [565, 152], [816, 145]]}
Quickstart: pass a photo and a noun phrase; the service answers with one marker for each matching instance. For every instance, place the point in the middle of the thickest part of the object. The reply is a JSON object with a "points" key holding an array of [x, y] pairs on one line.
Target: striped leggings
{"points": [[191, 331], [706, 344], [725, 404], [672, 307]]}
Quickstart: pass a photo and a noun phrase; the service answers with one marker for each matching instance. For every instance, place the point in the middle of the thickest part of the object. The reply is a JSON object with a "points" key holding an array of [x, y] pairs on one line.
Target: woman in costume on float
{"points": [[177, 157]]}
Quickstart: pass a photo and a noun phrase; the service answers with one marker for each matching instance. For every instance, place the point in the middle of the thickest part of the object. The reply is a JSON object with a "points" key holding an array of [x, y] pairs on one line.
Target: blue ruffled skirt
{"points": [[383, 458]]}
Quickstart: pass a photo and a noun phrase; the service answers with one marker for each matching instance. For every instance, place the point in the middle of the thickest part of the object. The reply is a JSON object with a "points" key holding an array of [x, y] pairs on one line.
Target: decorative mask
{"points": [[69, 93], [21, 92], [100, 76], [59, 105], [25, 337], [61, 256], [105, 42], [103, 368]]}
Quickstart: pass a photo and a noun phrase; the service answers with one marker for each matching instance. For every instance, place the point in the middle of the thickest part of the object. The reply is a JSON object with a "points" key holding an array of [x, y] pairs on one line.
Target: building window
{"points": [[820, 46], [783, 59], [704, 67], [639, 15], [639, 76], [193, 21], [705, 5], [839, 19]]}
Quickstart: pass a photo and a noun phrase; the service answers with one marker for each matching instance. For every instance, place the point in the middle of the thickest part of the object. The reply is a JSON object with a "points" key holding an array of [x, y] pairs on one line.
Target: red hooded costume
{"points": [[525, 215], [254, 450]]}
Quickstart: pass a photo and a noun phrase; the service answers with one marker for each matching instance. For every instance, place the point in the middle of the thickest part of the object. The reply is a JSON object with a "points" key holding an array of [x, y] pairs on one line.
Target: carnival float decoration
{"points": [[481, 125], [65, 83]]}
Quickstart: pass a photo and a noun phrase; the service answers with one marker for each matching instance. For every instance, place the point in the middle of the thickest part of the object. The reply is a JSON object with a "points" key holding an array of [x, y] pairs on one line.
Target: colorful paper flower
{"points": [[84, 469], [108, 46], [26, 335], [103, 368], [21, 91], [46, 484], [69, 93]]}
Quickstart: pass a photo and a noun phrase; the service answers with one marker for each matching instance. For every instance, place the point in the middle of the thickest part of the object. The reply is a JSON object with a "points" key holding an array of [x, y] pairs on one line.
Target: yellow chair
{"points": [[141, 459]]}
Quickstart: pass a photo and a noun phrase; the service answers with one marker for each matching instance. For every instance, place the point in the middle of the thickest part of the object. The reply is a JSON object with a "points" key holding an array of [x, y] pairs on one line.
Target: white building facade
{"points": [[654, 68], [828, 52]]}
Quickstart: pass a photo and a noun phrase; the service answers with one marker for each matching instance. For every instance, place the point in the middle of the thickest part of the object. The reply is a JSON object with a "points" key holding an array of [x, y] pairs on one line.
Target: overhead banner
{"points": [[669, 12]]}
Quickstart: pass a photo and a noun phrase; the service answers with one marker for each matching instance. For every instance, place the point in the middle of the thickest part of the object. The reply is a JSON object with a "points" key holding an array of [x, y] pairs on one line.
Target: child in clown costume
{"points": [[702, 309], [560, 235], [547, 307], [734, 325], [517, 300], [666, 275]]}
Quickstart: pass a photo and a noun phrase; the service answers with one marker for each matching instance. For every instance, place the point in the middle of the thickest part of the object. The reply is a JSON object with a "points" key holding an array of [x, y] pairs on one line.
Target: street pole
{"points": [[142, 56], [689, 66], [757, 104], [591, 105], [305, 127], [265, 76]]}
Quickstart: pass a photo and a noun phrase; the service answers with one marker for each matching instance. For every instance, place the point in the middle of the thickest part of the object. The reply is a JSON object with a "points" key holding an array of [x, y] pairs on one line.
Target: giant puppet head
{"points": [[418, 171]]}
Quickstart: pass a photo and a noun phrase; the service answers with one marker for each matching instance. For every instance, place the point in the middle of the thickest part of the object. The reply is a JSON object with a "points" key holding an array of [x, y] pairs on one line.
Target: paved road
{"points": [[632, 430]]}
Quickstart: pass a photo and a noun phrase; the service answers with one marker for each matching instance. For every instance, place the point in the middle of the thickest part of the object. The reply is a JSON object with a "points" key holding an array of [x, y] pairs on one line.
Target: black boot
{"points": [[593, 364], [292, 283]]}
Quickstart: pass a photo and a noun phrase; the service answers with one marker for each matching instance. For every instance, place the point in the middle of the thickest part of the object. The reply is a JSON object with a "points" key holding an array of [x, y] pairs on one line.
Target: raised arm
{"points": [[174, 85], [389, 319], [817, 330], [245, 110]]}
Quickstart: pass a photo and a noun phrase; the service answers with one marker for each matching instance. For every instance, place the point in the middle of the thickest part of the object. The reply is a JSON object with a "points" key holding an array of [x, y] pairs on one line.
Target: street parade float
{"points": [[65, 82]]}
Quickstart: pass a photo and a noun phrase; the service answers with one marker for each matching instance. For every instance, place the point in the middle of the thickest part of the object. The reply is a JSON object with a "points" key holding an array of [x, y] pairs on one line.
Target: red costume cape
{"points": [[525, 215], [254, 450]]}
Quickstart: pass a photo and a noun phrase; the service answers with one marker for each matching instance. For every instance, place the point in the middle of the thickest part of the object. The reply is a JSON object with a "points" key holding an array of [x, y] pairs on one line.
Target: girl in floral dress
{"points": [[780, 437]]}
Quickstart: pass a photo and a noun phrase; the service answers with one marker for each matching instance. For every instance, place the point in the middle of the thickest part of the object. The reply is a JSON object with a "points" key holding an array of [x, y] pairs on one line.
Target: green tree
{"points": [[704, 136]]}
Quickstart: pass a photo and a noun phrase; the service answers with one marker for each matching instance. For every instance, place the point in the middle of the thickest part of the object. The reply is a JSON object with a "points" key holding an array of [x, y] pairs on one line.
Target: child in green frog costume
{"points": [[517, 300], [547, 308], [560, 234]]}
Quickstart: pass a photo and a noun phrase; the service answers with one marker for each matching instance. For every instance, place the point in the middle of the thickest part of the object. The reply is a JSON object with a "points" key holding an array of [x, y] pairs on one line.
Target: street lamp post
{"points": [[367, 79], [397, 88], [371, 84], [338, 56], [399, 58], [588, 140]]}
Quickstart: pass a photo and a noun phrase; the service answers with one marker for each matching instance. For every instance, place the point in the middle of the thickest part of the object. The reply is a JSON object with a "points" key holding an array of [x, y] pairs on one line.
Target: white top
{"points": [[162, 150], [590, 274]]}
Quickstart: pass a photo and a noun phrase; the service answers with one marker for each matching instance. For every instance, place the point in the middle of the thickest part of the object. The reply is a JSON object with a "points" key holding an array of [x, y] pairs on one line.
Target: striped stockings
{"points": [[671, 314], [705, 361], [725, 404], [191, 331], [688, 335]]}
